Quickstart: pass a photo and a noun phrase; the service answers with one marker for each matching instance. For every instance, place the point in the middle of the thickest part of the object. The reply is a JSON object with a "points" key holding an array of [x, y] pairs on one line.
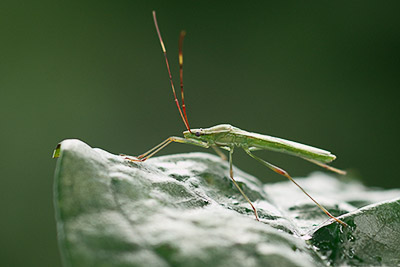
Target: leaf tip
{"points": [[56, 152]]}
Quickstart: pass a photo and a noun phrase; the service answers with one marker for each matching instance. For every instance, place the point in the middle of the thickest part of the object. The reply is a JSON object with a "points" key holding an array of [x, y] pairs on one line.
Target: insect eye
{"points": [[197, 133]]}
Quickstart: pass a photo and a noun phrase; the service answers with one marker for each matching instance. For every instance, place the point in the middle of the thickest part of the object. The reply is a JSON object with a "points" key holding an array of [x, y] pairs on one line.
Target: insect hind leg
{"points": [[326, 166], [286, 174]]}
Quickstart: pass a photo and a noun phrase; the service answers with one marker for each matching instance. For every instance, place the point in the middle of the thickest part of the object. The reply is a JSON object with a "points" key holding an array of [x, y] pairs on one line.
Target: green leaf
{"points": [[372, 240], [183, 210]]}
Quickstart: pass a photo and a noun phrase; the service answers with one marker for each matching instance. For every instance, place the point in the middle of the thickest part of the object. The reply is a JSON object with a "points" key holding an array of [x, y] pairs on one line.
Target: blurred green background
{"points": [[324, 74]]}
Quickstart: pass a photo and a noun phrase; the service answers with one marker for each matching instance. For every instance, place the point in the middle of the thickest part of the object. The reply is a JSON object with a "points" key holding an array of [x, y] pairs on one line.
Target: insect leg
{"points": [[327, 166], [219, 152], [237, 186], [164, 143], [286, 174]]}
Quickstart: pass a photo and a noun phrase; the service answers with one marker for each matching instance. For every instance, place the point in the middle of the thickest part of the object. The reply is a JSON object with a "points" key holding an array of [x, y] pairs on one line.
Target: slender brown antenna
{"points": [[169, 73], [181, 37]]}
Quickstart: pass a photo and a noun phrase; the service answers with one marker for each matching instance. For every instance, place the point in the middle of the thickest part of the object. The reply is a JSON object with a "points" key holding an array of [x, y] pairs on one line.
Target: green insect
{"points": [[228, 137]]}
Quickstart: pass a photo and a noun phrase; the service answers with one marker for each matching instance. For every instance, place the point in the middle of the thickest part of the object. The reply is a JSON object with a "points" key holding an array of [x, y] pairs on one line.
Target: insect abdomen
{"points": [[285, 146]]}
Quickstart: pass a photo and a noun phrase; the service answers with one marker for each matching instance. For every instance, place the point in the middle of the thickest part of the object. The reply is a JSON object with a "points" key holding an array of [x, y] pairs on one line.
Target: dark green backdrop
{"points": [[324, 74]]}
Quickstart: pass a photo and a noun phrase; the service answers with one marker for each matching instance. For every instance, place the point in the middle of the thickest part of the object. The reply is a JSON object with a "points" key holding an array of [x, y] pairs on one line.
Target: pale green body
{"points": [[227, 136]]}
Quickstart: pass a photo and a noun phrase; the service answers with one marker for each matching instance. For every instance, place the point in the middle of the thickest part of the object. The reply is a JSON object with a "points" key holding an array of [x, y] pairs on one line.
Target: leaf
{"points": [[372, 240], [183, 210]]}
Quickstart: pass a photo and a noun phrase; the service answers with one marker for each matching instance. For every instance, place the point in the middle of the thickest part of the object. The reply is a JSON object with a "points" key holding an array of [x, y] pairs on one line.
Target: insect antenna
{"points": [[169, 73], [181, 37]]}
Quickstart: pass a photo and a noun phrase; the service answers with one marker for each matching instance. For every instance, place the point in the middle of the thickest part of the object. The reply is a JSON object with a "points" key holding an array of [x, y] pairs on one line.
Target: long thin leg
{"points": [[286, 174], [164, 143], [219, 152], [237, 186], [323, 165]]}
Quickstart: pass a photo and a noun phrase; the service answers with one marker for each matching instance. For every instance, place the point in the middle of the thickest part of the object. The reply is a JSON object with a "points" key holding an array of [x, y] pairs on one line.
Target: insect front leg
{"points": [[164, 143], [286, 174], [237, 186]]}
